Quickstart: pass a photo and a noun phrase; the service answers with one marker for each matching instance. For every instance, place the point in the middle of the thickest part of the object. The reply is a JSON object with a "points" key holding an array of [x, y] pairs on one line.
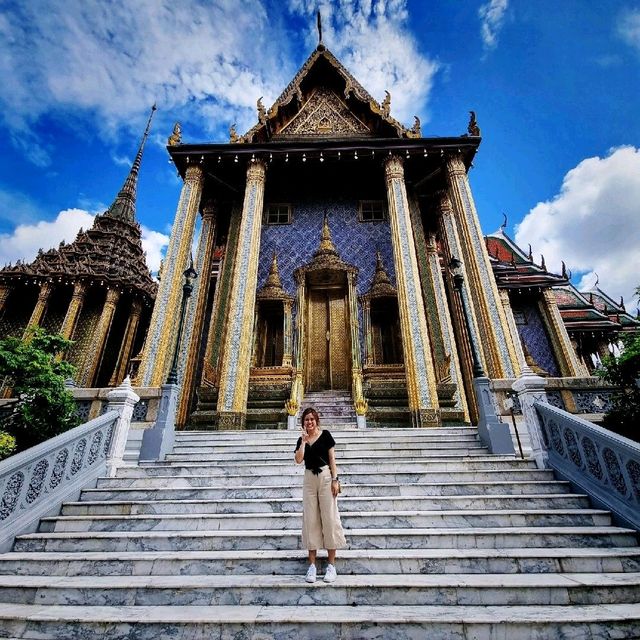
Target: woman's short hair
{"points": [[312, 411]]}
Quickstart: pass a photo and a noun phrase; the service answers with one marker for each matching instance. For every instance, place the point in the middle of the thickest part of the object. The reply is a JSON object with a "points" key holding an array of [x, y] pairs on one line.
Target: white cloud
{"points": [[23, 243], [629, 27], [492, 16], [593, 224], [112, 60], [26, 239], [373, 41]]}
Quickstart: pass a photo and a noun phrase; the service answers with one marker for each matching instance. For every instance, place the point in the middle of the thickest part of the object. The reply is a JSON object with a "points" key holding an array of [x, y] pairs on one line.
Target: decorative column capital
{"points": [[394, 168], [455, 166], [45, 290], [208, 212], [256, 171], [193, 174], [113, 295], [446, 208], [79, 291], [432, 246]]}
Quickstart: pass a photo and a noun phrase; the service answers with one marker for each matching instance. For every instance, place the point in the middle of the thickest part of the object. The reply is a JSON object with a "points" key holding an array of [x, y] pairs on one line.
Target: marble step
{"points": [[501, 537], [130, 477], [453, 519], [440, 463], [294, 505], [367, 622], [346, 435], [286, 447], [361, 490], [348, 590], [351, 561], [342, 451]]}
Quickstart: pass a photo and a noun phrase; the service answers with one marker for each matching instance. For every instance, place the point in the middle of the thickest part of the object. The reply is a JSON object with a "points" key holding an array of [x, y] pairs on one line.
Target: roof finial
{"points": [[503, 226], [530, 256], [597, 282], [124, 206], [319, 20], [564, 270], [543, 265]]}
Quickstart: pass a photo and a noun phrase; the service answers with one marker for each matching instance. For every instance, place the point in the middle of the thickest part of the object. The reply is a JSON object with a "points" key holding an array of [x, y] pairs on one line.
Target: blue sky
{"points": [[555, 84]]}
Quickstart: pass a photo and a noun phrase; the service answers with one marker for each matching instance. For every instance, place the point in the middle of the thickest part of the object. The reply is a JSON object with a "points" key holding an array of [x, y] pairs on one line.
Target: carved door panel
{"points": [[317, 378], [328, 350], [339, 351]]}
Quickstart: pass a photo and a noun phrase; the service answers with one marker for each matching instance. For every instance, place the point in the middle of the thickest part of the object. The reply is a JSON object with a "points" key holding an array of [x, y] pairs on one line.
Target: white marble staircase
{"points": [[445, 541]]}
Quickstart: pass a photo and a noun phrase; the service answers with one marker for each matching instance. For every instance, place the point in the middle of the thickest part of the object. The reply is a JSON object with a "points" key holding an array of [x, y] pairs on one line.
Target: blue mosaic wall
{"points": [[295, 244], [356, 242], [534, 335]]}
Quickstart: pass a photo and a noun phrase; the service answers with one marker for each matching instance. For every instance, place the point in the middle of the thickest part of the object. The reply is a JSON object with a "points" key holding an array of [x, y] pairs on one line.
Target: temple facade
{"points": [[96, 291]]}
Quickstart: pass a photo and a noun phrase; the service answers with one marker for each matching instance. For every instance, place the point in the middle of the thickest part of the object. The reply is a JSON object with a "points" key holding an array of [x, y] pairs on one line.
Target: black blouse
{"points": [[316, 455]]}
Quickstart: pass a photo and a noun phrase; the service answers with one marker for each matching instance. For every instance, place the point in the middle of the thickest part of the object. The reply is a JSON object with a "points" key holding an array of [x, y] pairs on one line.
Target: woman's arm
{"points": [[334, 471], [298, 456]]}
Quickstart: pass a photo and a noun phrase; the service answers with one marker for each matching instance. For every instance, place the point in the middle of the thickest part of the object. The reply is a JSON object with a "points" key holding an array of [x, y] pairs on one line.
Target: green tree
{"points": [[624, 372], [44, 407]]}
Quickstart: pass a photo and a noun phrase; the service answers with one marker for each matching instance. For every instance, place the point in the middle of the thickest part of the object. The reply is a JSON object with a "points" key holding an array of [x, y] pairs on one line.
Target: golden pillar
{"points": [[98, 341], [120, 371], [39, 310], [513, 329], [450, 367], [5, 292], [287, 356], [236, 355], [73, 310], [421, 380], [190, 347], [357, 392], [499, 351], [163, 327], [565, 353], [297, 386]]}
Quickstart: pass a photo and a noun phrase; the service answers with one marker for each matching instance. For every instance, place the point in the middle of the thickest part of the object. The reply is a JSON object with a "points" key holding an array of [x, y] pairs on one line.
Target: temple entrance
{"points": [[328, 349]]}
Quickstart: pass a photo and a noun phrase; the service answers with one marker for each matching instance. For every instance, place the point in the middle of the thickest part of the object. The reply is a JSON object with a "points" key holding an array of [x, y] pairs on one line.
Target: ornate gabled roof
{"points": [[108, 253], [331, 102], [272, 289], [514, 269], [381, 286], [615, 311], [577, 312]]}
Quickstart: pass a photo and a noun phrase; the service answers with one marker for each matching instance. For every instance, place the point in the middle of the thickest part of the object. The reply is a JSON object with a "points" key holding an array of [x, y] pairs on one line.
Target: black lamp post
{"points": [[458, 279], [189, 275]]}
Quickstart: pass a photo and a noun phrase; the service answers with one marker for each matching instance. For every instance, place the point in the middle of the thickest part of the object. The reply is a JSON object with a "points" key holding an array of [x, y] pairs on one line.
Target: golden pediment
{"points": [[324, 115]]}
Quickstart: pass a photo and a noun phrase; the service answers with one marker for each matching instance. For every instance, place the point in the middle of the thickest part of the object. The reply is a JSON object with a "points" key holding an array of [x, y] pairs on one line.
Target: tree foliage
{"points": [[36, 373]]}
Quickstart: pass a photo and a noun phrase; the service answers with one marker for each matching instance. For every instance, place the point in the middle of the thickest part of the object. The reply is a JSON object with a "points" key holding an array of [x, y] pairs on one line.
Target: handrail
{"points": [[37, 481], [602, 463]]}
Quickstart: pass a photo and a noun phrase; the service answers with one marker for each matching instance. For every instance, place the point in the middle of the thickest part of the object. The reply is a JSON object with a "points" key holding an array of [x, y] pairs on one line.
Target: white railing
{"points": [[602, 463], [36, 482]]}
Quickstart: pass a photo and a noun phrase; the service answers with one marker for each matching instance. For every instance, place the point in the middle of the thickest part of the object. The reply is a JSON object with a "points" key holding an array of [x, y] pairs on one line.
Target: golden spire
{"points": [[273, 279], [272, 289], [326, 243]]}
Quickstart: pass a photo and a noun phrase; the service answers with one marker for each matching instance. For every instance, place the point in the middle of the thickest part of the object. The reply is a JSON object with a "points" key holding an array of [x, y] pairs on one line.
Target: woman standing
{"points": [[321, 527]]}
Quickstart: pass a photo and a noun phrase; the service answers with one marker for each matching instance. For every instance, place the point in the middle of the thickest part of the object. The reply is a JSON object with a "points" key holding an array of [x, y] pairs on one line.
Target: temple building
{"points": [[96, 291]]}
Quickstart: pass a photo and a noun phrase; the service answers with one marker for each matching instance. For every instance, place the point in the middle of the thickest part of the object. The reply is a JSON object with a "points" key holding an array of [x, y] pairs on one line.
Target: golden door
{"points": [[328, 349]]}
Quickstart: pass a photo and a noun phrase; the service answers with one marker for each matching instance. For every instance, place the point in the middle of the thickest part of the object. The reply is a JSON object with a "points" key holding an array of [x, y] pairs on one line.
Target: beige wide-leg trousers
{"points": [[321, 527]]}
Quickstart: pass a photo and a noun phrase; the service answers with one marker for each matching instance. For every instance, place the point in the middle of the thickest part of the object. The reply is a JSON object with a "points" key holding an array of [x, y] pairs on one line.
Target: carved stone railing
{"points": [[35, 482], [602, 463]]}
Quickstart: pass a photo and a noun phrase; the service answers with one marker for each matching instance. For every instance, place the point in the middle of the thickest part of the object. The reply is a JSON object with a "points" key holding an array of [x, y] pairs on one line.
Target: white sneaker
{"points": [[311, 573], [330, 575]]}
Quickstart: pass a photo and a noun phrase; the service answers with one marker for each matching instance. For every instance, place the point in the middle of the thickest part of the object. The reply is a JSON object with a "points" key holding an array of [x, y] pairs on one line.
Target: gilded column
{"points": [[565, 353], [158, 353], [513, 329], [5, 292], [287, 356], [120, 371], [96, 345], [368, 338], [499, 350], [451, 362], [297, 386], [73, 310], [194, 320], [40, 308], [357, 392], [236, 356], [421, 380]]}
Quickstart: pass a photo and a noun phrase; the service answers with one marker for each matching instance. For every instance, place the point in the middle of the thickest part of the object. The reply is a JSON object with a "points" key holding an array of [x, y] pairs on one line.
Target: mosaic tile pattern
{"points": [[535, 338], [356, 242]]}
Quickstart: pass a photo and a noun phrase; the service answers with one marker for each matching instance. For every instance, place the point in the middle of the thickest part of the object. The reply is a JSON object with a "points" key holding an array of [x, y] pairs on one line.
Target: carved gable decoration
{"points": [[324, 114]]}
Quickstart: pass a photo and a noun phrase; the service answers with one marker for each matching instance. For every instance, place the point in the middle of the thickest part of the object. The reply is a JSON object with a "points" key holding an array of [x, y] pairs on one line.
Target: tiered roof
{"points": [[110, 253]]}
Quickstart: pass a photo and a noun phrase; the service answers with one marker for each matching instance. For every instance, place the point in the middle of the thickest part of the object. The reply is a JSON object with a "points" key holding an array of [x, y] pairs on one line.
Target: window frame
{"points": [[383, 210], [280, 206]]}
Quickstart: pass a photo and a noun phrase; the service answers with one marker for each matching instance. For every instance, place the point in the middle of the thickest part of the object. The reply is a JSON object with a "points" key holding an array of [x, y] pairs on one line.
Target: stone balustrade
{"points": [[602, 463]]}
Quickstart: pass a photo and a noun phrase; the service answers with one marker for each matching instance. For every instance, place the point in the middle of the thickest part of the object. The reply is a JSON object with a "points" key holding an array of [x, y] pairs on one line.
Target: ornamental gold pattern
{"points": [[421, 381], [161, 336], [235, 367], [73, 311]]}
